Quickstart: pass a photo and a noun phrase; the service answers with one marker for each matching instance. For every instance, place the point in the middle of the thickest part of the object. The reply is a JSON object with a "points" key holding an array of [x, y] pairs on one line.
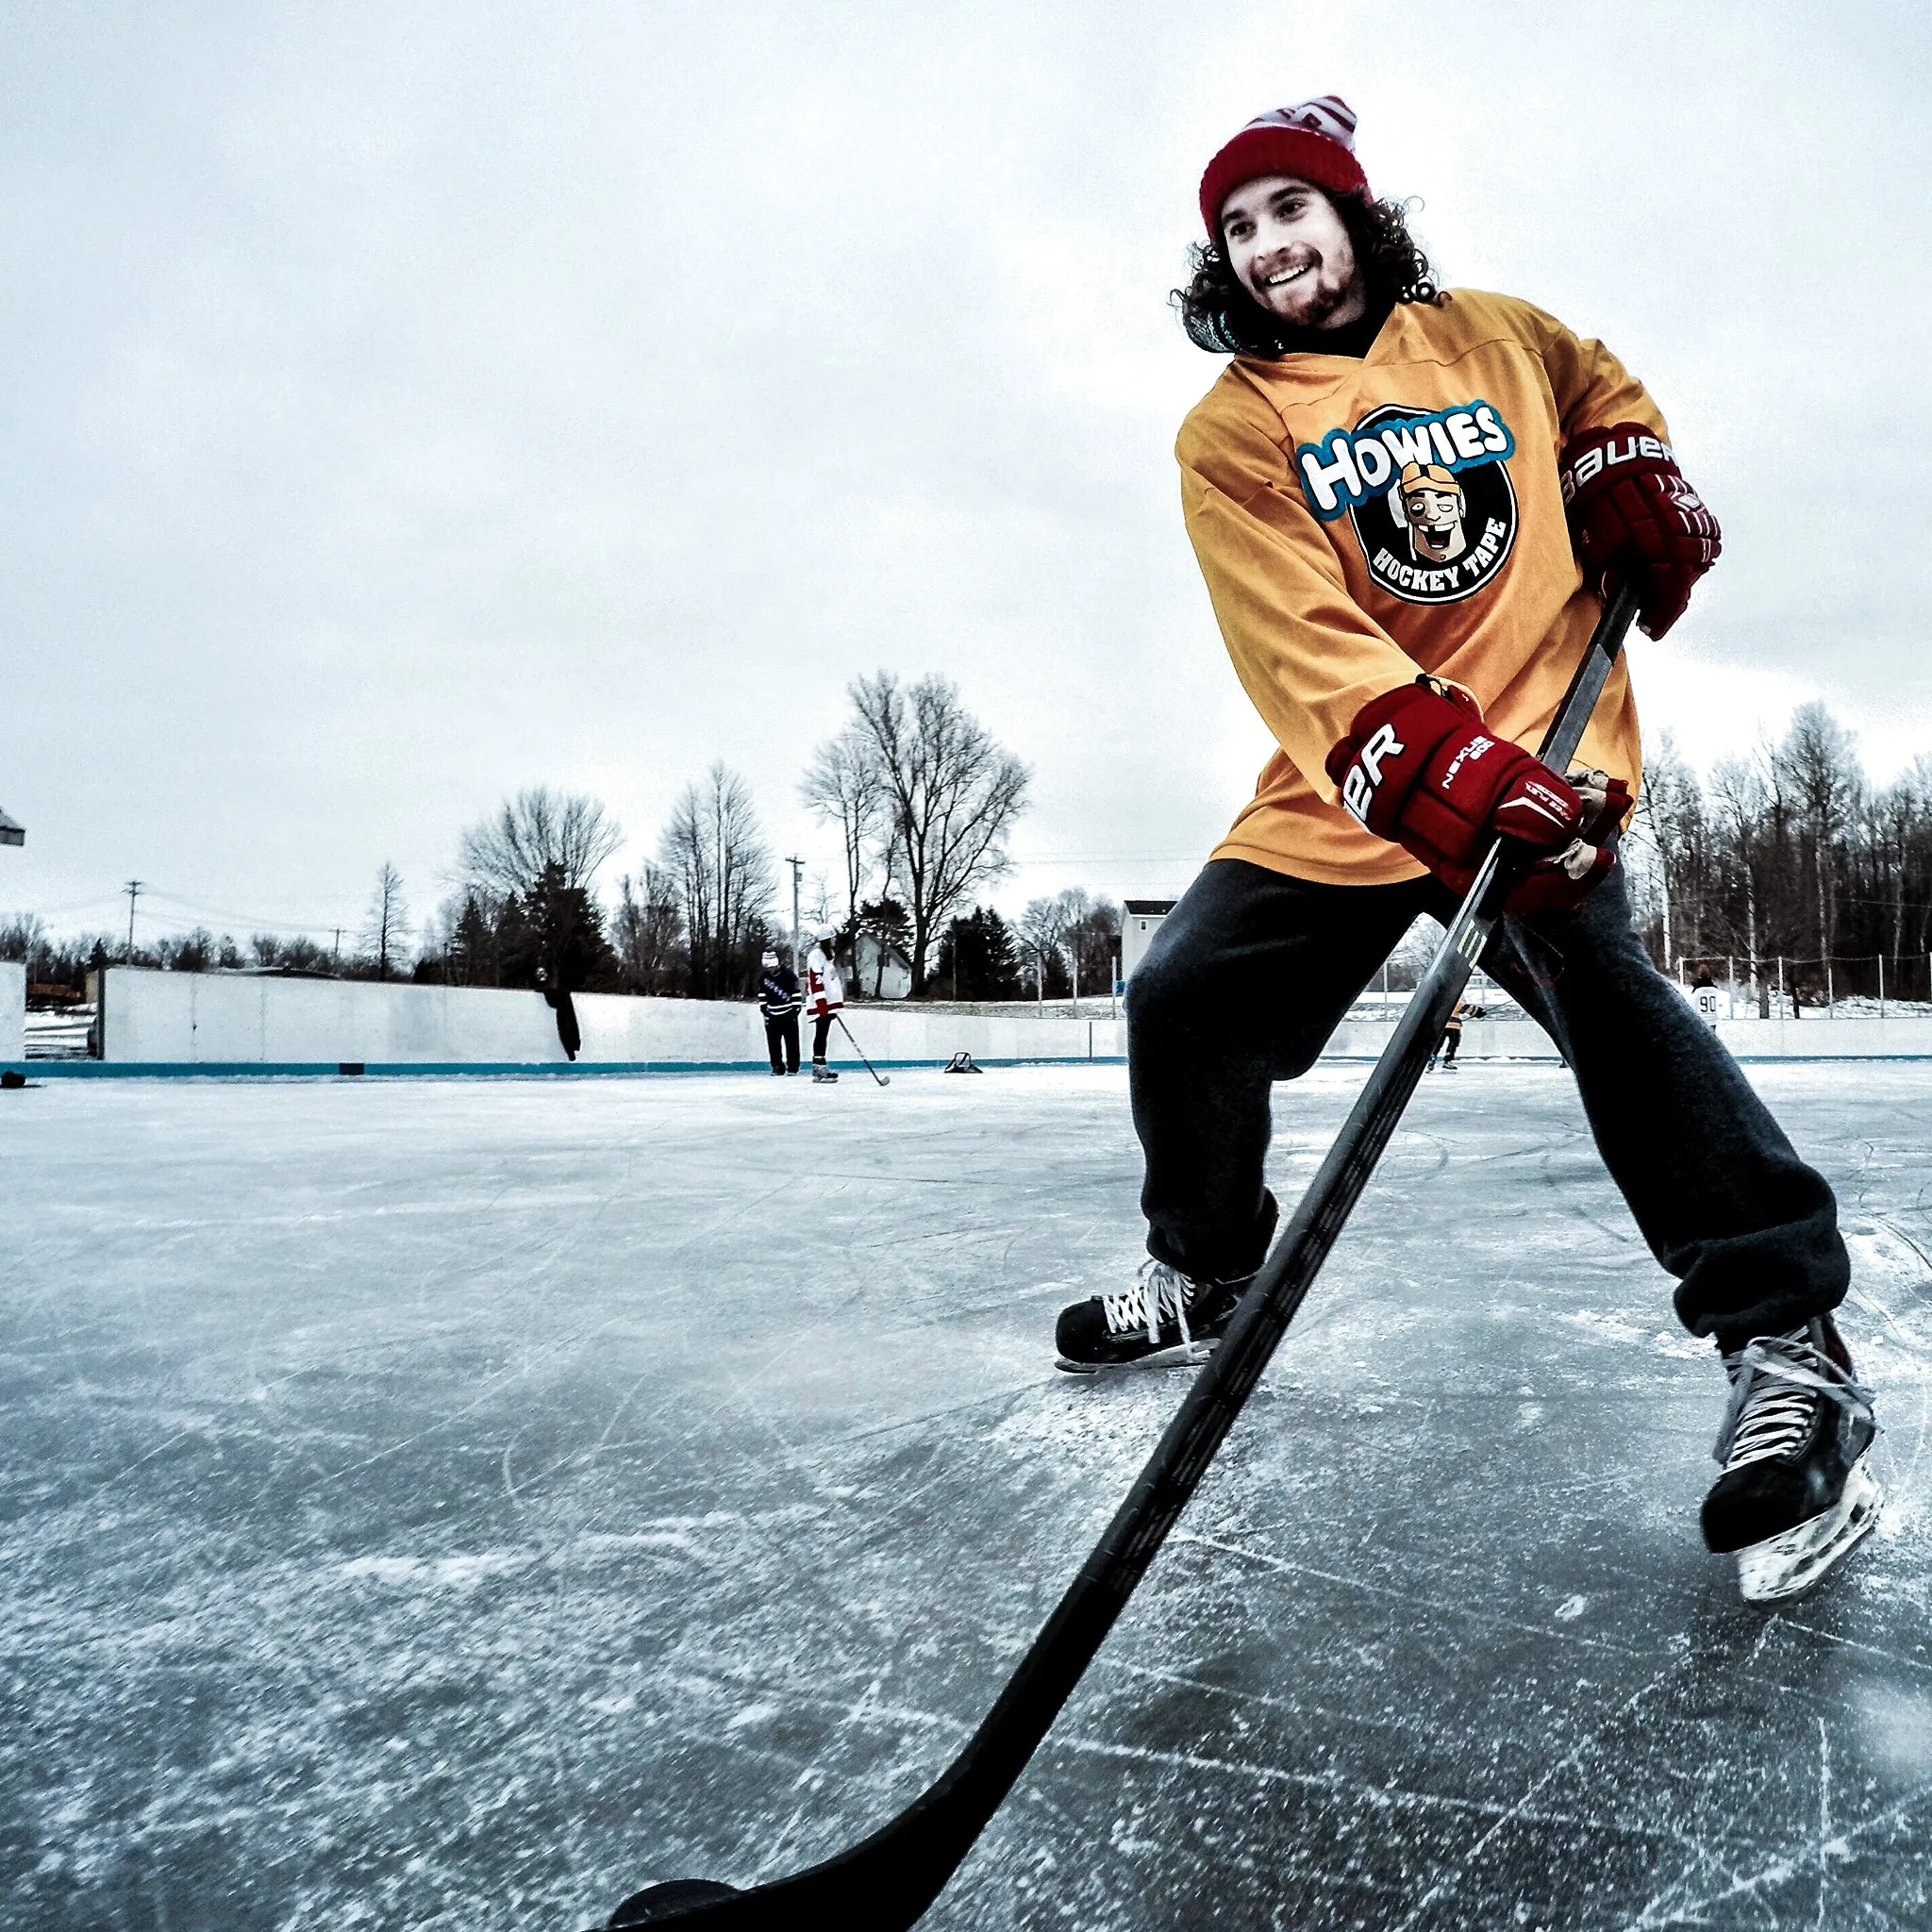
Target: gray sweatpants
{"points": [[1250, 973]]}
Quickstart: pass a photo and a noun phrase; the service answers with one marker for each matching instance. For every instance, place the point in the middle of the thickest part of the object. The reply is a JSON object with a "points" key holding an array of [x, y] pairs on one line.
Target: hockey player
{"points": [[1703, 996], [556, 997], [1407, 503], [825, 993], [779, 1001]]}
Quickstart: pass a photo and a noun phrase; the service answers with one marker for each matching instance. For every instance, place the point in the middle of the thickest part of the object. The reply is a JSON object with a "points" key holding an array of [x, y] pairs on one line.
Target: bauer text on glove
{"points": [[1630, 510]]}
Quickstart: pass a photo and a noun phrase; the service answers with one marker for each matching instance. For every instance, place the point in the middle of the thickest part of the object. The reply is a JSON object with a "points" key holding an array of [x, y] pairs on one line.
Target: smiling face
{"points": [[1288, 244], [1431, 501]]}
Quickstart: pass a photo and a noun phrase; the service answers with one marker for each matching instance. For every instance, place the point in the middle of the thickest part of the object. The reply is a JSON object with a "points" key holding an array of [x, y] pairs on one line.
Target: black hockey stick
{"points": [[885, 1883], [883, 1079]]}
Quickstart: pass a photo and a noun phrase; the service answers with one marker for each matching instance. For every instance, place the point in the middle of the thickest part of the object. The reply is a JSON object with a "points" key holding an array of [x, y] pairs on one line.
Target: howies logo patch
{"points": [[1430, 496]]}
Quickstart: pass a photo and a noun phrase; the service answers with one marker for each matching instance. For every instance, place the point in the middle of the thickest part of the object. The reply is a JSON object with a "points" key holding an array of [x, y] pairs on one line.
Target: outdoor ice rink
{"points": [[458, 1503]]}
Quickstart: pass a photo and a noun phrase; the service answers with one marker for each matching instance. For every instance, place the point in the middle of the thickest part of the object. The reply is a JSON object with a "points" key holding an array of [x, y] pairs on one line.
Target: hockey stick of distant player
{"points": [[883, 1079], [885, 1883]]}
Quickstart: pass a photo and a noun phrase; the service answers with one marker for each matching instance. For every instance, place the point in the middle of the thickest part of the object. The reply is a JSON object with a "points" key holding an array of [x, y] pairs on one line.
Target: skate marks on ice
{"points": [[1853, 1655], [1438, 1645], [447, 1507], [430, 1504]]}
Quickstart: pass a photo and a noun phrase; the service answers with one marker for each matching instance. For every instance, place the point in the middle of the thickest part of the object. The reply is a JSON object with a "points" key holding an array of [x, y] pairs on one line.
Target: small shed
{"points": [[1139, 921]]}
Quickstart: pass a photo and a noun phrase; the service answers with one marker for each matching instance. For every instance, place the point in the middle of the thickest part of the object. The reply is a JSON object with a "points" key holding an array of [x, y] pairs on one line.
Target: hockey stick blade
{"points": [[885, 1883], [883, 1079]]}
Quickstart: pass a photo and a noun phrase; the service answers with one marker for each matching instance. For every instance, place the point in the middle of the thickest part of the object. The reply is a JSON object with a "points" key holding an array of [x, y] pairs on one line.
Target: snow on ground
{"points": [[458, 1503]]}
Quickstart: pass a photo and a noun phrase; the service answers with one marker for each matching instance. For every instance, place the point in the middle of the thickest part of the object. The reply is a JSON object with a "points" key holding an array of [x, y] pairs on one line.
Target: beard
{"points": [[1320, 303], [1324, 306]]}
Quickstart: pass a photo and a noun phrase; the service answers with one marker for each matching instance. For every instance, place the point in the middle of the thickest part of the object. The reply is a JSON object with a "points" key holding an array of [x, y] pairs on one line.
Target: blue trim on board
{"points": [[520, 1069], [329, 1069]]}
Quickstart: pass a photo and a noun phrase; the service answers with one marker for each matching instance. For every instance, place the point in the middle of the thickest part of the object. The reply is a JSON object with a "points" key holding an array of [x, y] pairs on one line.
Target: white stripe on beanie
{"points": [[1328, 114]]}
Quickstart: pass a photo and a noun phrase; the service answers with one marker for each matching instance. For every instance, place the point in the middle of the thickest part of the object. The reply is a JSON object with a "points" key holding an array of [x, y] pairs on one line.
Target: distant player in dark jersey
{"points": [[1407, 504], [779, 1000]]}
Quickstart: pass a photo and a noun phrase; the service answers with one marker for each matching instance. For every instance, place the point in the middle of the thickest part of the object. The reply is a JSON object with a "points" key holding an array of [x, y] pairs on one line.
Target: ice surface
{"points": [[456, 1504]]}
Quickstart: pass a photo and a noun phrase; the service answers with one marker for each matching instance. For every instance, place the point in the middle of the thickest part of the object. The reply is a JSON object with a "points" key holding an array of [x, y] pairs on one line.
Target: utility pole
{"points": [[133, 890], [797, 866]]}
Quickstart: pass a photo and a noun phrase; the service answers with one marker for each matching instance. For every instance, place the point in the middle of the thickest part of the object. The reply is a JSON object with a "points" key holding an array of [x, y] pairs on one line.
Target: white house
{"points": [[870, 981], [1139, 921]]}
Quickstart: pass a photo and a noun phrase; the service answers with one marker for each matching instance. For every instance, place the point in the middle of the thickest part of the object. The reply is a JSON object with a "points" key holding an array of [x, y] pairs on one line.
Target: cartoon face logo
{"points": [[1431, 500], [1429, 493]]}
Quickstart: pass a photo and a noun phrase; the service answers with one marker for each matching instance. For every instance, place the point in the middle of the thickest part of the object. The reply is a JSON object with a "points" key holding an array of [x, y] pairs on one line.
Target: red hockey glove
{"points": [[1631, 508], [1418, 768], [1568, 877]]}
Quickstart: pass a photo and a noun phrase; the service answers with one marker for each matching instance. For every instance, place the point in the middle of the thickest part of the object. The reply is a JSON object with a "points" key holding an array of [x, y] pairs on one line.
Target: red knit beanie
{"points": [[1313, 141]]}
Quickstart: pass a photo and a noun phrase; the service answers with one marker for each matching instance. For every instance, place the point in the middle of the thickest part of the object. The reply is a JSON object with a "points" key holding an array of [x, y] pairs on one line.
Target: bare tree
{"points": [[1739, 795], [816, 908], [1042, 929], [22, 937], [1074, 930], [1670, 815], [843, 786], [1793, 860], [648, 930], [714, 850], [506, 854], [951, 795], [1819, 765], [382, 932], [1094, 939]]}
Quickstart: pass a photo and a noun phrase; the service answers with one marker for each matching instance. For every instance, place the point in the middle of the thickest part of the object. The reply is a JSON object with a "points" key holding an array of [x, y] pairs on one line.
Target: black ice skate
{"points": [[1166, 1319], [821, 1071], [1796, 1493]]}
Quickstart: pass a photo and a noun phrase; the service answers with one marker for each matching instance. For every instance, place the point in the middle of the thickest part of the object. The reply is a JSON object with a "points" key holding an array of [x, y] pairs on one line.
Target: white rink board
{"points": [[186, 1019], [212, 1020], [1907, 1038], [12, 1010]]}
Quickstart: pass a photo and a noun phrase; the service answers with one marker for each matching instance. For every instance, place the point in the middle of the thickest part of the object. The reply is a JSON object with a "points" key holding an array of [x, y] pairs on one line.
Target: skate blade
{"points": [[1788, 1565], [1183, 1354]]}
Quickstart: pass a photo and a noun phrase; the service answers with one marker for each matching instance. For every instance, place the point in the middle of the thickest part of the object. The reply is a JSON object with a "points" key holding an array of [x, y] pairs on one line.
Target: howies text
{"points": [[1343, 470]]}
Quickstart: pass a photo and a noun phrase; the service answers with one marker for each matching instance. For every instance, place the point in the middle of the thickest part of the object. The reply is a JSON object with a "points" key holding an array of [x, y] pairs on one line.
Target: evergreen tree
{"points": [[557, 926], [978, 957]]}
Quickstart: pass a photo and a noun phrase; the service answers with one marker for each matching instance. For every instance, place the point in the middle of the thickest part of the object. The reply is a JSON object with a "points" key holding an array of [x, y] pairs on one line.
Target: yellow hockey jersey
{"points": [[1360, 520]]}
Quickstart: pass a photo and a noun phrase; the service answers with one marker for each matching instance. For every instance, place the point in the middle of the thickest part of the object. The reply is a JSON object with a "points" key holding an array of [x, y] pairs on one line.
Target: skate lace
{"points": [[1159, 1291], [1778, 1382]]}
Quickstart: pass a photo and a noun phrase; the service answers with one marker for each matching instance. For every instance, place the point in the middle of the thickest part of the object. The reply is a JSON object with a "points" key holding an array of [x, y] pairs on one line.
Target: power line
{"points": [[241, 919]]}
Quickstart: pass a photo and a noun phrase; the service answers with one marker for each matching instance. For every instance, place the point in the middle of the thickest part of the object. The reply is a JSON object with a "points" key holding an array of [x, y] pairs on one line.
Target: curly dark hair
{"points": [[1219, 313]]}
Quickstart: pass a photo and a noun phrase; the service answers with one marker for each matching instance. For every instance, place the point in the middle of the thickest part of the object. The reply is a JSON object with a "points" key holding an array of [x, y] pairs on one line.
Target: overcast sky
{"points": [[406, 404]]}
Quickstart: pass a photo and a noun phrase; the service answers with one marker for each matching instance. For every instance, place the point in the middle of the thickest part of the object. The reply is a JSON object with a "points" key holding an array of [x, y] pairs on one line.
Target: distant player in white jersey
{"points": [[1704, 997], [825, 995]]}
